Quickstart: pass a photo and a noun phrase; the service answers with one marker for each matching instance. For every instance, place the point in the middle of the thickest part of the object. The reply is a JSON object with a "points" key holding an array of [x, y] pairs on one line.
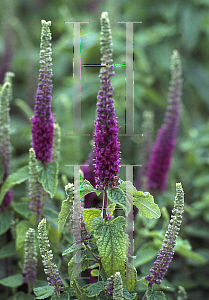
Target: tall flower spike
{"points": [[35, 188], [50, 269], [30, 261], [106, 144], [166, 253], [42, 121], [5, 146], [160, 159]]}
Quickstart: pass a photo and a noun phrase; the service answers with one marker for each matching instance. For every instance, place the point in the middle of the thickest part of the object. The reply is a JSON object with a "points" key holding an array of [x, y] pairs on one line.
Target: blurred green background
{"points": [[167, 25]]}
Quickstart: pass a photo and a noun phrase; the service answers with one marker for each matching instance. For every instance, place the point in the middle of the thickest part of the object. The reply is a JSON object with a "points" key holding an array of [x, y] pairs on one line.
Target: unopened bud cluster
{"points": [[80, 233], [110, 285]]}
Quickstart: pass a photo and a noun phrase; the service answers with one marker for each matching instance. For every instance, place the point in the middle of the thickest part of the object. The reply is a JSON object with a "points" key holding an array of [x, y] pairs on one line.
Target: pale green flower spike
{"points": [[118, 287], [50, 269]]}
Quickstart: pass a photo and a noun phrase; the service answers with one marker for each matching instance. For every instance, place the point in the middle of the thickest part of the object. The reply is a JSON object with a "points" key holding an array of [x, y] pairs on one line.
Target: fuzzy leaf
{"points": [[117, 196], [94, 289], [86, 188], [15, 178], [145, 203], [12, 281], [77, 290], [74, 247], [23, 209], [111, 244], [103, 274], [43, 291], [8, 250], [128, 296], [156, 295], [74, 269], [6, 218], [65, 210], [95, 273], [130, 281], [89, 215], [62, 296], [48, 177]]}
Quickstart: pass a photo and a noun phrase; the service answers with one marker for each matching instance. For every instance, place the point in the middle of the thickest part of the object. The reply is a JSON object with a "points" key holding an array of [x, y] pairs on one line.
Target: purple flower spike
{"points": [[165, 255], [106, 144], [42, 121], [160, 159]]}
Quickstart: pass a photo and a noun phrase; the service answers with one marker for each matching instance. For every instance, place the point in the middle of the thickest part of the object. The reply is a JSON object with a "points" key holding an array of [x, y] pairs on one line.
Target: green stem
{"points": [[104, 206]]}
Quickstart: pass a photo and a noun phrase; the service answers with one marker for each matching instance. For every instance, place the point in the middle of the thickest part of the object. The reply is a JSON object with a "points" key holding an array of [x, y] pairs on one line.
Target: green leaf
{"points": [[48, 177], [103, 274], [111, 244], [94, 289], [77, 290], [43, 291], [74, 247], [128, 296], [147, 252], [62, 296], [8, 250], [130, 281], [111, 208], [23, 209], [15, 178], [75, 268], [23, 296], [65, 210], [145, 203], [117, 196], [6, 218], [86, 188], [21, 229], [95, 273], [156, 295], [89, 215], [12, 281]]}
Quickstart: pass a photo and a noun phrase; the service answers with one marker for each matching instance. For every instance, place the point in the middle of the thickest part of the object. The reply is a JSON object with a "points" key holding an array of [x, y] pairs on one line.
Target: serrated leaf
{"points": [[103, 274], [22, 296], [77, 290], [117, 196], [62, 296], [156, 295], [43, 291], [74, 247], [15, 178], [145, 203], [74, 269], [111, 208], [89, 215], [96, 265], [65, 210], [6, 218], [8, 250], [12, 281], [48, 177], [130, 281], [94, 289], [128, 296], [111, 244], [86, 188]]}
